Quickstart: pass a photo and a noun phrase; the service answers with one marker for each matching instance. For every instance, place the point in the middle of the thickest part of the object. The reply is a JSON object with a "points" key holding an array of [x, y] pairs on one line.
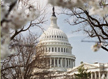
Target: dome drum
{"points": [[60, 62]]}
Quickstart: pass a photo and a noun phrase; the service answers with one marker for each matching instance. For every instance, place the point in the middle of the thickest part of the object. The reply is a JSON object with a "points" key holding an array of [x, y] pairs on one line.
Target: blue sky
{"points": [[82, 50]]}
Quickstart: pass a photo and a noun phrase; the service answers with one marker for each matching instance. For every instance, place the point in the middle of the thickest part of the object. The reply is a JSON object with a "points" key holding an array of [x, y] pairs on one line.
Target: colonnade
{"points": [[56, 49], [62, 62], [55, 37], [99, 75]]}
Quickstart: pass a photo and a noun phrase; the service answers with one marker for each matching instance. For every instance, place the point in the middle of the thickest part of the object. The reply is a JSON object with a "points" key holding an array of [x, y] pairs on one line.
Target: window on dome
{"points": [[52, 49], [55, 62], [62, 36], [49, 49], [57, 36], [52, 36], [61, 49], [58, 49], [59, 61]]}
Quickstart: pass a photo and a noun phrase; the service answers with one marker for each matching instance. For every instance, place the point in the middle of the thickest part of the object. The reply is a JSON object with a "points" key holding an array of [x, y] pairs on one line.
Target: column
{"points": [[50, 62], [65, 63], [47, 49], [71, 63], [61, 62], [74, 63], [99, 75], [107, 75], [68, 63], [95, 75], [91, 75], [57, 62], [54, 62]]}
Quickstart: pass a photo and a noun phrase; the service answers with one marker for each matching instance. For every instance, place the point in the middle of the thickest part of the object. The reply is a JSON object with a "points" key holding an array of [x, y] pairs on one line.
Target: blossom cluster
{"points": [[14, 15], [96, 47], [94, 7]]}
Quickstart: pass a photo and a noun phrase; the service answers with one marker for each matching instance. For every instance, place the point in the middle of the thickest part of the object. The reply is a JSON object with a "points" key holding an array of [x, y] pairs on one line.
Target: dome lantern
{"points": [[53, 20]]}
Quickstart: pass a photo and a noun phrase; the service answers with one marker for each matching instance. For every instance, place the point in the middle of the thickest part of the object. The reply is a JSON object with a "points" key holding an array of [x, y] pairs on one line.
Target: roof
{"points": [[88, 66]]}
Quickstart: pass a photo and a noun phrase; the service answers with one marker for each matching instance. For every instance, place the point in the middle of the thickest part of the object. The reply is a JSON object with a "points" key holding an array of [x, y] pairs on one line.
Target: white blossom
{"points": [[32, 13], [4, 51], [93, 6], [4, 46], [4, 9], [94, 11], [18, 17], [68, 3], [96, 47]]}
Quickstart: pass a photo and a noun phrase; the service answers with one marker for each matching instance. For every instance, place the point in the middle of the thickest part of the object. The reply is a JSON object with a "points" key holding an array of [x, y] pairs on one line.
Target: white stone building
{"points": [[58, 50], [55, 43], [98, 70]]}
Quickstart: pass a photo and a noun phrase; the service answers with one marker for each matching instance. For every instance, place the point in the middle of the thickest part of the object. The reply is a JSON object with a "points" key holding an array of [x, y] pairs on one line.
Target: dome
{"points": [[53, 32], [58, 51]]}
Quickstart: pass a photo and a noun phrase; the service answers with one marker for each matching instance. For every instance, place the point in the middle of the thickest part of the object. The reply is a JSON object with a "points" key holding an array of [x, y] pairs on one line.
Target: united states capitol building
{"points": [[55, 43], [59, 53]]}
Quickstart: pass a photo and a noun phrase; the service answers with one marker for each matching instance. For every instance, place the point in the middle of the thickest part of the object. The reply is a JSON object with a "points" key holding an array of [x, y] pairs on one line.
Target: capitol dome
{"points": [[53, 32], [58, 50]]}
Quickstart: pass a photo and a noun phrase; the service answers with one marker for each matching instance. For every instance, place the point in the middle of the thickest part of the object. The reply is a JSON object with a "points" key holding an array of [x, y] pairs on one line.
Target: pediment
{"points": [[89, 66], [86, 66]]}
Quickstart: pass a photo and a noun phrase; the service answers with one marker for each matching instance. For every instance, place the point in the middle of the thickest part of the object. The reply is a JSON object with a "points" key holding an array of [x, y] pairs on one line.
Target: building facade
{"points": [[97, 70], [58, 51], [55, 43]]}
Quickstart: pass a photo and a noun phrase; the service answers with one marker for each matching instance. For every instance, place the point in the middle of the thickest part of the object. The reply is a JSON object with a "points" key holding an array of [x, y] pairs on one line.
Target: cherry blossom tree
{"points": [[15, 14]]}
